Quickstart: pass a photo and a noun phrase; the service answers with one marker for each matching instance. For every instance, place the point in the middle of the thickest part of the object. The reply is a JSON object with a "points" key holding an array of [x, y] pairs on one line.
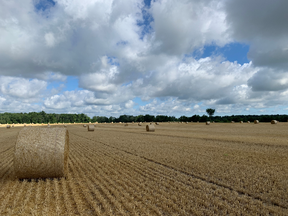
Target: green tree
{"points": [[210, 112]]}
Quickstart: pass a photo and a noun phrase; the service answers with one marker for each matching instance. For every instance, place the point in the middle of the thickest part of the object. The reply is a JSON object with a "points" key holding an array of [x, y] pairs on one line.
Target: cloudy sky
{"points": [[171, 57]]}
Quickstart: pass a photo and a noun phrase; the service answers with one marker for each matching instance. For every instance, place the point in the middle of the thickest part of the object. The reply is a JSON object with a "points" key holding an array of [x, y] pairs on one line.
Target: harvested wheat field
{"points": [[180, 169]]}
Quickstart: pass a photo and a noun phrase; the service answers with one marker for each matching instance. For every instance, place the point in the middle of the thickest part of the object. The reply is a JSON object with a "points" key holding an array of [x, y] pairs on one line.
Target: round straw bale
{"points": [[274, 122], [41, 153], [151, 123], [256, 122], [150, 128], [186, 122], [84, 125], [197, 121], [157, 123], [126, 124], [139, 124], [89, 122], [90, 127], [65, 125], [208, 123], [12, 125], [8, 126], [248, 121], [241, 122], [232, 122]]}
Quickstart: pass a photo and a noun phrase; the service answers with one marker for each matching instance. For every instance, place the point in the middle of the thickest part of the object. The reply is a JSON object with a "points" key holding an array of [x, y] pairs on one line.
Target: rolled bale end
{"points": [[84, 125], [208, 123], [8, 126], [248, 121], [274, 122], [186, 122], [65, 125], [139, 124], [256, 122], [150, 128], [157, 123], [90, 127], [241, 122], [232, 122], [41, 153]]}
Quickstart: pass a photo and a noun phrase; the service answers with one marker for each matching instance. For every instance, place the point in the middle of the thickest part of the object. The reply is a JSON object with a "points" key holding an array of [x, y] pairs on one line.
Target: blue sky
{"points": [[143, 57]]}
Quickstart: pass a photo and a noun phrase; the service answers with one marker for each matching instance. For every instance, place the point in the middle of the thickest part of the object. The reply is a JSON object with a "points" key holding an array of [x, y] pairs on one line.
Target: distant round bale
{"points": [[186, 122], [241, 122], [150, 128], [126, 124], [84, 125], [8, 126], [41, 153], [157, 123], [90, 127], [256, 122], [139, 124], [232, 122], [65, 125], [151, 123], [274, 122], [197, 121], [248, 121], [208, 123]]}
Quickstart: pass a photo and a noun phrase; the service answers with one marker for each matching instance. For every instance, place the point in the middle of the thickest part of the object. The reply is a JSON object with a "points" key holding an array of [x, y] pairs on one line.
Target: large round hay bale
{"points": [[208, 123], [274, 122], [90, 127], [8, 126], [150, 128], [241, 122], [248, 121], [157, 123], [41, 153], [186, 122], [256, 122], [84, 125]]}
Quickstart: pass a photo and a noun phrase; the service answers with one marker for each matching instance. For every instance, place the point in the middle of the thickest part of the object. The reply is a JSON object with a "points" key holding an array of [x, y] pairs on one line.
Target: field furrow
{"points": [[180, 169], [109, 156]]}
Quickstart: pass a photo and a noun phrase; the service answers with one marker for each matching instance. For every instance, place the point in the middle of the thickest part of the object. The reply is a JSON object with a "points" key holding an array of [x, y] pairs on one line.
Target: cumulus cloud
{"points": [[264, 27], [116, 59], [20, 88]]}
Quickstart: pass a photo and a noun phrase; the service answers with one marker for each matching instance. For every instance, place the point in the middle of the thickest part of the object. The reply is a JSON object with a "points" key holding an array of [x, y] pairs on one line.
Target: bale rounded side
{"points": [[208, 123], [274, 122], [150, 128], [41, 153], [256, 122], [84, 125], [90, 127]]}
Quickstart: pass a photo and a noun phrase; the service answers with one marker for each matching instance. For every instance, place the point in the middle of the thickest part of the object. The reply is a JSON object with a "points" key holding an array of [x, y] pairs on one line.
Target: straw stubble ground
{"points": [[187, 169]]}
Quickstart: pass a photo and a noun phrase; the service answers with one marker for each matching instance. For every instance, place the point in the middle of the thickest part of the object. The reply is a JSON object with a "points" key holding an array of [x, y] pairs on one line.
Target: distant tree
{"points": [[210, 112]]}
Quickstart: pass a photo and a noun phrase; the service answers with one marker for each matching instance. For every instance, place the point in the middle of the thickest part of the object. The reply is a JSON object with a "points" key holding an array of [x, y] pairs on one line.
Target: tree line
{"points": [[42, 117]]}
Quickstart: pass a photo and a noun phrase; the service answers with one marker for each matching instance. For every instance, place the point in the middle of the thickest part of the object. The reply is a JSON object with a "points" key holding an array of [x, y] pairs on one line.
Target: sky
{"points": [[159, 57]]}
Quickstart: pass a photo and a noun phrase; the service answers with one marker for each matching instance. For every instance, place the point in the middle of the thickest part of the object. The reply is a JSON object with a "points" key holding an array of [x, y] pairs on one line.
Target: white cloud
{"points": [[20, 88], [100, 43]]}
